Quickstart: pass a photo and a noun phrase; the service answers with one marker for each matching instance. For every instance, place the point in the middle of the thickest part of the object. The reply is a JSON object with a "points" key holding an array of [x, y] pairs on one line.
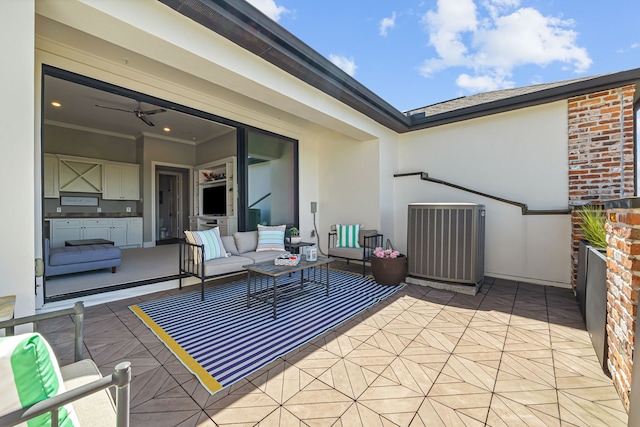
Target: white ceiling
{"points": [[79, 111]]}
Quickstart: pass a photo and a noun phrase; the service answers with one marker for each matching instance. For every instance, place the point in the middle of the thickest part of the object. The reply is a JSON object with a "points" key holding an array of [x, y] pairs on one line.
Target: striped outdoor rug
{"points": [[221, 340]]}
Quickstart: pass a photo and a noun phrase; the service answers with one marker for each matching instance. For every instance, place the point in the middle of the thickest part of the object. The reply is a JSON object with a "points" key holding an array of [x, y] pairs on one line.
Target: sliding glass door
{"points": [[271, 180]]}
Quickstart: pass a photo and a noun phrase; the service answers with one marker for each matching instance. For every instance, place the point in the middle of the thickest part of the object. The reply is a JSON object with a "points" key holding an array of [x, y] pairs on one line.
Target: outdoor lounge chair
{"points": [[368, 240], [86, 387]]}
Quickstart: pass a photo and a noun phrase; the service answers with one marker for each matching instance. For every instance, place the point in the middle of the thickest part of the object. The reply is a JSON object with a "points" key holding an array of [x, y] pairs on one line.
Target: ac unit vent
{"points": [[445, 241]]}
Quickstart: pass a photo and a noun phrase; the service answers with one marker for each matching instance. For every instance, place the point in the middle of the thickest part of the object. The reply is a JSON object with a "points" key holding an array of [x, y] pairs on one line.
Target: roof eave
{"points": [[558, 93], [244, 25]]}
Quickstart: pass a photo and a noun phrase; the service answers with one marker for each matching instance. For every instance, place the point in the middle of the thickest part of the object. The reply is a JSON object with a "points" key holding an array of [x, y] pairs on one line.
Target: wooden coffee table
{"points": [[262, 278]]}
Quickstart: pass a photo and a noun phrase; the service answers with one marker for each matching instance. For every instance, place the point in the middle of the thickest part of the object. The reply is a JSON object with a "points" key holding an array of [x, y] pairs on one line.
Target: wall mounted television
{"points": [[214, 200]]}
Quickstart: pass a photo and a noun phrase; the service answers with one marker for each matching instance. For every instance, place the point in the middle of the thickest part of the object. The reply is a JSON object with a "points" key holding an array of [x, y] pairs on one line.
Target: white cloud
{"points": [[269, 8], [386, 24], [494, 44], [346, 64]]}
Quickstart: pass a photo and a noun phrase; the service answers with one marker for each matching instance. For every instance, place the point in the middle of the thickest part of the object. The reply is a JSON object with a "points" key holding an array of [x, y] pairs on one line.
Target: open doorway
{"points": [[171, 209]]}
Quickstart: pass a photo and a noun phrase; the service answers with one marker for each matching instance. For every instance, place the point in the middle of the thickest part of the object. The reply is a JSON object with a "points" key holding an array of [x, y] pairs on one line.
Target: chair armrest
{"points": [[78, 319], [121, 378]]}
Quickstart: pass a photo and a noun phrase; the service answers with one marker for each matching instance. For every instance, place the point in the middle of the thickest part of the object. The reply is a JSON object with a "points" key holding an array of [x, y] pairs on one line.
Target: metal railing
{"points": [[523, 207]]}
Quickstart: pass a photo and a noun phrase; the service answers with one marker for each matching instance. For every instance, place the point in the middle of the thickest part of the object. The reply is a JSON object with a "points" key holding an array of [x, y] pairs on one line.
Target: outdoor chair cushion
{"points": [[230, 245], [30, 374], [348, 236]]}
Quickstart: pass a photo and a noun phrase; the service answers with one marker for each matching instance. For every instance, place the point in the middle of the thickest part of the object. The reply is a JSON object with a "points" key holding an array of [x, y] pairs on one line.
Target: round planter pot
{"points": [[295, 239], [389, 271]]}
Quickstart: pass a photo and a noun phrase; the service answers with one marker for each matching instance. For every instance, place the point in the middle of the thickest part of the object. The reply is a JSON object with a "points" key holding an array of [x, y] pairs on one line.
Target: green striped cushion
{"points": [[348, 236], [213, 247], [270, 238], [29, 374]]}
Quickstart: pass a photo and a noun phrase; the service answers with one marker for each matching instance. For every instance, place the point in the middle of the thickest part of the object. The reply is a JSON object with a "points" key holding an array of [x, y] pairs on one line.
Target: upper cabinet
{"points": [[80, 175], [121, 181], [114, 180], [51, 186]]}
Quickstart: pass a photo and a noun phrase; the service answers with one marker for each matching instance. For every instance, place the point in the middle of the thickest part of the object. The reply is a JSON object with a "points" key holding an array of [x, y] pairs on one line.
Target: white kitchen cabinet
{"points": [[134, 232], [97, 228], [119, 227], [121, 231], [80, 175], [51, 184], [121, 181]]}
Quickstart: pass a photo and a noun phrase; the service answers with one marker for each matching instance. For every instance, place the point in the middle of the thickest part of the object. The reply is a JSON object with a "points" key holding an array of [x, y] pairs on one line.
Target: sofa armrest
{"points": [[191, 258], [121, 378]]}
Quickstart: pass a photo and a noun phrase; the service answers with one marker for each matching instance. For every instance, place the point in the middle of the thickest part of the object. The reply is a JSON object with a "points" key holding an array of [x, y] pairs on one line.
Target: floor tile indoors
{"points": [[515, 354]]}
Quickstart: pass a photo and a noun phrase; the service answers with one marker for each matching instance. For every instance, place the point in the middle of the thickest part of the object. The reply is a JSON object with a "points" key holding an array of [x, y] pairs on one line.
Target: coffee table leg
{"points": [[327, 266], [275, 279], [248, 288]]}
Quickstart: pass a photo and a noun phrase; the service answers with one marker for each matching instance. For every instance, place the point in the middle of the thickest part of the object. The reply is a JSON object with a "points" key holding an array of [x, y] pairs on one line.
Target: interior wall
{"points": [[520, 156], [217, 148], [75, 142], [18, 170]]}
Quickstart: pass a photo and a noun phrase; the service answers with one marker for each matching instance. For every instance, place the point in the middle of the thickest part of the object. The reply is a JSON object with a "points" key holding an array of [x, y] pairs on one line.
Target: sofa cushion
{"points": [[270, 238], [230, 245], [30, 374], [348, 236], [232, 264], [246, 241], [210, 239], [79, 254], [96, 409]]}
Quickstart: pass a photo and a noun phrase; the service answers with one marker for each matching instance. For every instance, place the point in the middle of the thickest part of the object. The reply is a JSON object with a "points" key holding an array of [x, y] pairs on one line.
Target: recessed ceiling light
{"points": [[166, 129], [56, 104]]}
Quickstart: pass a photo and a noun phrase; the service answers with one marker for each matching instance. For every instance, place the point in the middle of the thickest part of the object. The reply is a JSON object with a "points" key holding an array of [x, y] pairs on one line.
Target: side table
{"points": [[295, 247]]}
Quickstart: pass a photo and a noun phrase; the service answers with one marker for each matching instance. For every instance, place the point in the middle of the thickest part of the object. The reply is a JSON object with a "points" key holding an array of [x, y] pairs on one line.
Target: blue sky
{"points": [[414, 53]]}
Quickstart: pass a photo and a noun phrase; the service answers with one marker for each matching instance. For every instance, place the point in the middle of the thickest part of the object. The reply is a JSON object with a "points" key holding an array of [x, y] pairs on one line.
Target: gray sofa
{"points": [[241, 248], [74, 259]]}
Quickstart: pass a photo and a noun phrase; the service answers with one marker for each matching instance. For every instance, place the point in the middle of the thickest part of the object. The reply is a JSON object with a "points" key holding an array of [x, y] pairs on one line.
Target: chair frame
{"points": [[121, 377], [370, 243]]}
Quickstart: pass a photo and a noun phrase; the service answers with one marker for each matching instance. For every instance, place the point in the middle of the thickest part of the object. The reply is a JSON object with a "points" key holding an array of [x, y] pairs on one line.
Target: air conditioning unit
{"points": [[445, 242]]}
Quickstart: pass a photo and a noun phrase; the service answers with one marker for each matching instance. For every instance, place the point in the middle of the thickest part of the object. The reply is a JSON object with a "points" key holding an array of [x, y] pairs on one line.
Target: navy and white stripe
{"points": [[231, 340]]}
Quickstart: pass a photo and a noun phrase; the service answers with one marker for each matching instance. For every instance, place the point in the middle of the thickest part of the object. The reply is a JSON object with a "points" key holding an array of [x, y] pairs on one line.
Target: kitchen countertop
{"points": [[92, 215]]}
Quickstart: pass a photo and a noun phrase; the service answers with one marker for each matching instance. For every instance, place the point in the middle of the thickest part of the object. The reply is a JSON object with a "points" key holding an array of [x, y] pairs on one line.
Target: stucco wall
{"points": [[520, 156], [18, 170]]}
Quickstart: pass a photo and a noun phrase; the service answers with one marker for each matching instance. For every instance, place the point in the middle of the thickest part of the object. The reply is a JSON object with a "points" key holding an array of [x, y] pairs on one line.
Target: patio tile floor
{"points": [[515, 354]]}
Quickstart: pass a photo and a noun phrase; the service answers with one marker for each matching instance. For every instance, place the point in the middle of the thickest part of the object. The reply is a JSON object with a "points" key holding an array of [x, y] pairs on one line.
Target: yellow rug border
{"points": [[189, 362]]}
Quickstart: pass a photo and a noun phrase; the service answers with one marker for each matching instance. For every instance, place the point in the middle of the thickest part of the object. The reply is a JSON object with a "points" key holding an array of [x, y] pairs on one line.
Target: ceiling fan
{"points": [[139, 112]]}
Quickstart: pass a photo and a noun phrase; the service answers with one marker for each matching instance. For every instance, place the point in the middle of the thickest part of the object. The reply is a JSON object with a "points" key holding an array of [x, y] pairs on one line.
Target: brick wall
{"points": [[623, 285], [601, 159]]}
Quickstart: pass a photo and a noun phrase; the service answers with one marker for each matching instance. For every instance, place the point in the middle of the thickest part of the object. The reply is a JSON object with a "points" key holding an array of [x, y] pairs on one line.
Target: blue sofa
{"points": [[74, 259]]}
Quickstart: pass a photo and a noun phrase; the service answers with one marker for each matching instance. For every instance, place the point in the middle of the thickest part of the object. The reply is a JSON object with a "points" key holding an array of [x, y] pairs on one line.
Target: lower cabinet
{"points": [[121, 231]]}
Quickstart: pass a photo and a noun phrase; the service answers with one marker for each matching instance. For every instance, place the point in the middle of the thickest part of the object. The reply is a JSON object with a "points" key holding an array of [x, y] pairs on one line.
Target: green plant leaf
{"points": [[593, 222]]}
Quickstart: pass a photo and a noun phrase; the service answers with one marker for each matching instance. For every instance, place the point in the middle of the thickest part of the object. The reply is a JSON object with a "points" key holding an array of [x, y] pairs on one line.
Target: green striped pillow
{"points": [[270, 238], [30, 374], [213, 247], [348, 236]]}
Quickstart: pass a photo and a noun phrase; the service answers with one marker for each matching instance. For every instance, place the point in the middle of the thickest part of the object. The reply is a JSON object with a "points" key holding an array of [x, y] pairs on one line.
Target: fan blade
{"points": [[159, 110], [144, 119], [114, 108]]}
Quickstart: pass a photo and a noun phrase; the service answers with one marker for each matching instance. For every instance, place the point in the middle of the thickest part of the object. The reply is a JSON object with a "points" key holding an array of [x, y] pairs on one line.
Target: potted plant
{"points": [[591, 285], [389, 267], [294, 235]]}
